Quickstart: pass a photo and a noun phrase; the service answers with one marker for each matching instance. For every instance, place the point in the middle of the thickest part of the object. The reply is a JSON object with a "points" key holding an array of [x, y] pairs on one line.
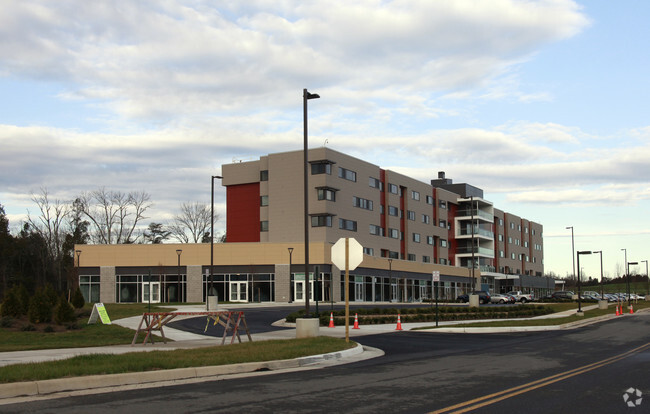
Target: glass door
{"points": [[299, 290], [358, 291], [151, 292], [239, 291]]}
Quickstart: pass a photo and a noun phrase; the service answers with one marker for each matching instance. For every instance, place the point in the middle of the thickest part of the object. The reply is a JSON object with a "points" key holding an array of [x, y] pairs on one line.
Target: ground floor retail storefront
{"points": [[253, 272]]}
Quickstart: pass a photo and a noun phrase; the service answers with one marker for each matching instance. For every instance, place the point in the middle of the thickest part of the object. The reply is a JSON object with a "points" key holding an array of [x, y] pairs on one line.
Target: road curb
{"points": [[44, 387]]}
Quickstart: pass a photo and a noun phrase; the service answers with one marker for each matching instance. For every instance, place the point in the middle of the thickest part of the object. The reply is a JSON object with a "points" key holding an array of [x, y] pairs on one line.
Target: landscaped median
{"points": [[541, 323], [100, 371]]}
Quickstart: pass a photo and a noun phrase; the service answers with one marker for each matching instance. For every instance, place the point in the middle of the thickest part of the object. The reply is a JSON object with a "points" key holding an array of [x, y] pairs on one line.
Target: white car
{"points": [[498, 298]]}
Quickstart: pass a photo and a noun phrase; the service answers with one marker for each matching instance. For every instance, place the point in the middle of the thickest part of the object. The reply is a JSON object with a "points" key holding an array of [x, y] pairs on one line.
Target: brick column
{"points": [[282, 283], [194, 284], [107, 284]]}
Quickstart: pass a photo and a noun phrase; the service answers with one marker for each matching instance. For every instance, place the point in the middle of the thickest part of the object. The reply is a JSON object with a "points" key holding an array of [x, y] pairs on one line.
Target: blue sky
{"points": [[543, 104]]}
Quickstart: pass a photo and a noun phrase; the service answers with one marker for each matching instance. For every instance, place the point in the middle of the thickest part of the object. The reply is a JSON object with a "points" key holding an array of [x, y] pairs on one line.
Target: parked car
{"points": [[562, 294], [521, 296], [499, 298], [483, 297]]}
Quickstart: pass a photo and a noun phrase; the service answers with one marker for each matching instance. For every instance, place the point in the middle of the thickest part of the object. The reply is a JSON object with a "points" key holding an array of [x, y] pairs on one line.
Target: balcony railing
{"points": [[479, 250], [477, 213], [477, 232]]}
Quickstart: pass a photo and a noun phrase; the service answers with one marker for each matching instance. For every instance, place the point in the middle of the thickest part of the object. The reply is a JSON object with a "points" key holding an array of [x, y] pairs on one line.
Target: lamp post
{"points": [[306, 95], [629, 296], [602, 282], [573, 251], [390, 277], [211, 288], [290, 253], [178, 282], [579, 285], [646, 276]]}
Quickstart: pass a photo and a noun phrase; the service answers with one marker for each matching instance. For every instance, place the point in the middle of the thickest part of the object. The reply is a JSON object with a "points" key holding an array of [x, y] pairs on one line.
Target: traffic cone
{"points": [[399, 323], [356, 322], [631, 309], [617, 311], [331, 320]]}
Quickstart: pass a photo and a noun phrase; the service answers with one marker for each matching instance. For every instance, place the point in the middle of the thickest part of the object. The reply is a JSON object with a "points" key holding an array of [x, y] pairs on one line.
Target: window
{"points": [[347, 174], [392, 188], [321, 168], [362, 203], [415, 195], [264, 200], [512, 225], [347, 225], [375, 183], [264, 225], [411, 257], [426, 219], [443, 243], [393, 211], [509, 240], [416, 237], [517, 243], [501, 254], [426, 259], [443, 204], [376, 230], [430, 240], [324, 220], [393, 233], [328, 194], [442, 223], [512, 256], [393, 255], [500, 237], [519, 227], [443, 261], [369, 251], [429, 199], [526, 230], [525, 244], [410, 215], [264, 175], [501, 222]]}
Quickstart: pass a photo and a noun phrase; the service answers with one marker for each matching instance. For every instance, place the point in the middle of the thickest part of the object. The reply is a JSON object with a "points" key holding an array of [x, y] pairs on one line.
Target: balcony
{"points": [[468, 212], [477, 250], [477, 232]]}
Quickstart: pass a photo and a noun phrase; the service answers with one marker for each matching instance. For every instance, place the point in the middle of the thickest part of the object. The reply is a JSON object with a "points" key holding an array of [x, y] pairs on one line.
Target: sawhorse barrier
{"points": [[155, 321]]}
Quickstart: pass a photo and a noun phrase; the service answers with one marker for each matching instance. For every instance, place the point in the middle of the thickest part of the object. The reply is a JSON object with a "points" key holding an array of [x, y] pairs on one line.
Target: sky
{"points": [[542, 104]]}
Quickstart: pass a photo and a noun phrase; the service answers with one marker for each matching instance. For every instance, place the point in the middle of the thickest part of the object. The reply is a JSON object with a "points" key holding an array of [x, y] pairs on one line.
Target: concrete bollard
{"points": [[307, 327]]}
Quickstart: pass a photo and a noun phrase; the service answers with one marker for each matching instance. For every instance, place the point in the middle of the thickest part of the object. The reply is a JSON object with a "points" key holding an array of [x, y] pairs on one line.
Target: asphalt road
{"points": [[583, 370]]}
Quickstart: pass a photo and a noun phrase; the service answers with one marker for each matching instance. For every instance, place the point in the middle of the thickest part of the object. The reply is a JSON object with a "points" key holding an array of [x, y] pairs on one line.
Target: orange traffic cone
{"points": [[356, 322], [331, 320], [399, 323], [631, 309], [617, 314]]}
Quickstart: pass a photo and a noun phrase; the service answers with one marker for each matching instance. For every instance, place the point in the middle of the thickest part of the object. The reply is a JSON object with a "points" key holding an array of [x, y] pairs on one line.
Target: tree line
{"points": [[41, 250]]}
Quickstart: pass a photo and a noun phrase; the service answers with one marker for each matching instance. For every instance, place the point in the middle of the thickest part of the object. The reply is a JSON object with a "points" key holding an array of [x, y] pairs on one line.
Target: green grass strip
{"points": [[100, 364]]}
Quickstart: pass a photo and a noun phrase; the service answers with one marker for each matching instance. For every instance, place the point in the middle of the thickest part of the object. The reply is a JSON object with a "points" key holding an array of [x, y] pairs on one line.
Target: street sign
{"points": [[355, 254], [435, 276]]}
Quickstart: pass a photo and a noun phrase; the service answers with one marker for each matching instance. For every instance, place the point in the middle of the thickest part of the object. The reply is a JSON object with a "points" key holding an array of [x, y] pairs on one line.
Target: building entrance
{"points": [[239, 291]]}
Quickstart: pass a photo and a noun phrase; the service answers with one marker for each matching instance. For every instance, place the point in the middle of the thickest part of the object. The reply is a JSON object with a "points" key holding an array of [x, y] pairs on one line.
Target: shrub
{"points": [[40, 308], [23, 295], [78, 300], [64, 312], [48, 329], [11, 306], [28, 328], [51, 295], [6, 322]]}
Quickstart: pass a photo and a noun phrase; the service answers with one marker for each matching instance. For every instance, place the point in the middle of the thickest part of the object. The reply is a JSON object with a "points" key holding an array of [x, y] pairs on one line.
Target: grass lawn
{"points": [[158, 360], [15, 338]]}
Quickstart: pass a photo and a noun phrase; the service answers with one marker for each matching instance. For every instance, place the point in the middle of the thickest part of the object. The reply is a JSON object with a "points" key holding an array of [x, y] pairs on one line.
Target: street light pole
{"points": [[390, 277], [573, 251], [211, 288], [629, 296], [579, 284], [305, 97], [602, 283], [646, 276], [178, 291]]}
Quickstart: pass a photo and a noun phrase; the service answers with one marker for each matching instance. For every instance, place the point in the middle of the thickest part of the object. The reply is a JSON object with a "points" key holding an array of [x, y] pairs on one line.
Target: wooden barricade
{"points": [[156, 321]]}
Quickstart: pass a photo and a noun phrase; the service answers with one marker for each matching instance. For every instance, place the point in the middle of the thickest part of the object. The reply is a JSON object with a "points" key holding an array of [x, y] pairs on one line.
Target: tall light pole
{"points": [[390, 277], [626, 269], [573, 251], [290, 254], [178, 291], [602, 282], [629, 296], [305, 97], [579, 284], [646, 276], [211, 288]]}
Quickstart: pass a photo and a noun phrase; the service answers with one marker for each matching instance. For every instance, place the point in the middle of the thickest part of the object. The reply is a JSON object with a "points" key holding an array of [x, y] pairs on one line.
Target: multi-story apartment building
{"points": [[409, 229], [391, 215]]}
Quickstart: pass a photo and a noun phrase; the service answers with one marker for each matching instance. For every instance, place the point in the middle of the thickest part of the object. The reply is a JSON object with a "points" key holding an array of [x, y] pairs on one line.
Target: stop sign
{"points": [[355, 254]]}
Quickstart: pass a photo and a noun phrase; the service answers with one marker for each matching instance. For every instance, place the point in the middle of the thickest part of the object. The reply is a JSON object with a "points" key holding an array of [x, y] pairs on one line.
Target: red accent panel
{"points": [[243, 213], [453, 244]]}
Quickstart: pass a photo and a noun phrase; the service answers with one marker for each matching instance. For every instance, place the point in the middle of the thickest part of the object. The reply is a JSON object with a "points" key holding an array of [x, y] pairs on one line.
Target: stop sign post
{"points": [[347, 254]]}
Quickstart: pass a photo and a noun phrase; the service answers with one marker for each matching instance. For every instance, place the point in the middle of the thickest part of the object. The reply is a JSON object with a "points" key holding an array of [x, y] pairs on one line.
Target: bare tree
{"points": [[114, 215], [50, 226], [192, 223]]}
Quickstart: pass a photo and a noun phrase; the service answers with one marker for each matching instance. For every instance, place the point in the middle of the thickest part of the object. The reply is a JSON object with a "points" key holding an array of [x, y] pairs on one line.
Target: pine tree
{"points": [[64, 312], [78, 300]]}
